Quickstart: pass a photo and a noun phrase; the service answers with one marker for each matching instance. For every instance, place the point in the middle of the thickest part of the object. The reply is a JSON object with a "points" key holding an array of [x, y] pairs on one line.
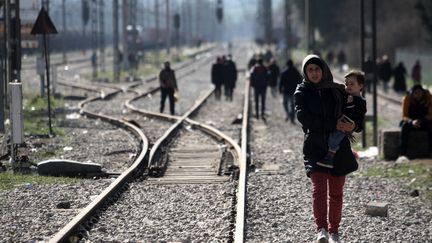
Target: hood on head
{"points": [[326, 73]]}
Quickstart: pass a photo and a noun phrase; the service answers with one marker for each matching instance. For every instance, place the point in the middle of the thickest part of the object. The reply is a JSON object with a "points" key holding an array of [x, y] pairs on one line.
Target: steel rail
{"points": [[163, 140], [137, 167], [70, 229], [241, 198]]}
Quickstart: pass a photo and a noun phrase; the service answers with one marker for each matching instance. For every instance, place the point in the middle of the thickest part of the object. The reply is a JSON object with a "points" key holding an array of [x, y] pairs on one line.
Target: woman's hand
{"points": [[345, 126], [416, 123]]}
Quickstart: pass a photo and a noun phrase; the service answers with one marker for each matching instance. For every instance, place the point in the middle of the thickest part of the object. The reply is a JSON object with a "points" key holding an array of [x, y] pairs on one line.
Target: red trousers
{"points": [[327, 193]]}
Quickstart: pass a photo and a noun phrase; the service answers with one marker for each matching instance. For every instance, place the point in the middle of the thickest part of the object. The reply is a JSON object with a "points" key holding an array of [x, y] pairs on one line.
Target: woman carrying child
{"points": [[318, 104]]}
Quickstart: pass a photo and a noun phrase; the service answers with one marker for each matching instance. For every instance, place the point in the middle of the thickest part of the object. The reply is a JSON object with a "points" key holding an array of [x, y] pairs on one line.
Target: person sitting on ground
{"points": [[354, 111], [416, 115]]}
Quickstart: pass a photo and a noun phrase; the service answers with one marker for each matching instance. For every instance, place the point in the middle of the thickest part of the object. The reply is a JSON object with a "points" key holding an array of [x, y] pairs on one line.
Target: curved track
{"points": [[174, 170]]}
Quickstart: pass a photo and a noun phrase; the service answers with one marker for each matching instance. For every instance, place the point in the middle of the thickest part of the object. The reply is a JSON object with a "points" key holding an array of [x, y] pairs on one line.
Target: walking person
{"points": [[168, 85], [341, 60], [416, 72], [274, 76], [217, 76], [289, 80], [259, 81], [369, 66], [330, 57], [399, 73], [230, 78], [385, 71], [318, 104]]}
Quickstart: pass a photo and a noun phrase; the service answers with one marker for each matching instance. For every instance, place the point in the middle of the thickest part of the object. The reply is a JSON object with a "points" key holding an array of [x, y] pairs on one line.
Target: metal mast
{"points": [[268, 22], [102, 35], [94, 35], [116, 42]]}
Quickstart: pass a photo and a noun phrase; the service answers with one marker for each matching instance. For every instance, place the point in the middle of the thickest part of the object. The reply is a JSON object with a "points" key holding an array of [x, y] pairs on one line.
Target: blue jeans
{"points": [[334, 140], [288, 104], [385, 86], [260, 93]]}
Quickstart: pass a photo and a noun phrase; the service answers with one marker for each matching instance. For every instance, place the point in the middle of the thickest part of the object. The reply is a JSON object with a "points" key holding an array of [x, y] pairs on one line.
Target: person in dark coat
{"points": [[416, 115], [217, 76], [399, 73], [369, 66], [341, 60], [274, 76], [385, 72], [354, 111], [330, 57], [416, 72], [252, 62], [168, 86], [289, 80], [231, 77], [318, 104], [259, 80]]}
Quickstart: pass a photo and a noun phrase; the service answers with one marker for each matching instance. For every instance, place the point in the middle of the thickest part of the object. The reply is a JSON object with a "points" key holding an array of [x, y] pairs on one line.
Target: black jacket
{"points": [[274, 75], [315, 112], [356, 111], [230, 74], [217, 74], [289, 80], [260, 77]]}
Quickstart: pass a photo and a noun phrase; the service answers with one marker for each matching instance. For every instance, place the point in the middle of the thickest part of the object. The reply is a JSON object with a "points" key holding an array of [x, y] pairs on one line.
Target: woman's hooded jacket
{"points": [[318, 107]]}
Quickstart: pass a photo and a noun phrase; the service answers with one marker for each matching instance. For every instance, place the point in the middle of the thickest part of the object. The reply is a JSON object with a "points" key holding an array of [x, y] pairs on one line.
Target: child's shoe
{"points": [[327, 161]]}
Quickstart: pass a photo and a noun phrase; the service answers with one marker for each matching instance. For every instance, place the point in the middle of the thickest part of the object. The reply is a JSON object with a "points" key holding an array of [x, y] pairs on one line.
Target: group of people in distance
{"points": [[224, 74], [385, 72], [266, 73], [328, 112]]}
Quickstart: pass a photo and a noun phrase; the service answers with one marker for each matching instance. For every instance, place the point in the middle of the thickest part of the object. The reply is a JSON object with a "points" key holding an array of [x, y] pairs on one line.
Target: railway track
{"points": [[206, 160]]}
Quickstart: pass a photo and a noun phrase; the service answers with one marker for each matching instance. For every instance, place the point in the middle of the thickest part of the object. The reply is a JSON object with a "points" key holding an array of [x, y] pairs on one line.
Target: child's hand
{"points": [[350, 99]]}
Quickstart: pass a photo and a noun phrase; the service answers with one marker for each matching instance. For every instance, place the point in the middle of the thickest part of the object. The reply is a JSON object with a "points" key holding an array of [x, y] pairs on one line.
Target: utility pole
{"points": [[94, 36], [125, 43], [132, 20], [116, 67], [64, 29], [177, 30], [197, 19], [132, 36], [268, 23], [157, 30], [362, 58], [168, 27], [46, 4], [287, 28], [374, 56], [102, 35], [7, 62], [184, 16], [15, 40], [307, 25], [189, 32]]}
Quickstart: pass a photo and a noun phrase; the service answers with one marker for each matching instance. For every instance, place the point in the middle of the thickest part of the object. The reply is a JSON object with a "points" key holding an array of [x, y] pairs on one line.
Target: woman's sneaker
{"points": [[322, 236], [334, 238]]}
